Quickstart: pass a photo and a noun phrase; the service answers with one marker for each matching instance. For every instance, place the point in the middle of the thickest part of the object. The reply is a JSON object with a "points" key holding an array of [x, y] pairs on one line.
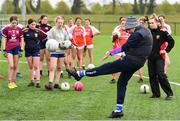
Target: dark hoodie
{"points": [[159, 37]]}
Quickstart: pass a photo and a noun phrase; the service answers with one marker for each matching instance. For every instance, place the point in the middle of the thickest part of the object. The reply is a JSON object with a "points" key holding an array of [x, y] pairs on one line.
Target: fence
{"points": [[106, 27]]}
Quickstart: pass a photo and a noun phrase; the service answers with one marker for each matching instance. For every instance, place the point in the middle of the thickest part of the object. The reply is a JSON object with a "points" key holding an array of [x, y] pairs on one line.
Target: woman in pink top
{"points": [[12, 47]]}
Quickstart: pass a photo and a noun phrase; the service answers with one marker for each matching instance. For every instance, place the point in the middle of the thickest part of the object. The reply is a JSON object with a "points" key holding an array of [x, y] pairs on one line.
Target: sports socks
{"points": [[57, 82], [81, 73], [119, 108]]}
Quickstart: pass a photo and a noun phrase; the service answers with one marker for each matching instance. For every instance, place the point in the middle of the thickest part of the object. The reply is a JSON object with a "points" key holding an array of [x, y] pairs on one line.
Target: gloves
{"points": [[20, 53], [61, 46], [5, 53]]}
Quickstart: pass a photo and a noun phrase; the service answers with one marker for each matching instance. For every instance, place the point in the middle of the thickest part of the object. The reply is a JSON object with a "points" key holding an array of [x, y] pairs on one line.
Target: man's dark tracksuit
{"points": [[156, 63], [137, 49]]}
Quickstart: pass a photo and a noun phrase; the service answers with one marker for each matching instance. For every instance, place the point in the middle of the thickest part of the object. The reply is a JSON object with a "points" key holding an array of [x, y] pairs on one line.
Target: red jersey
{"points": [[90, 32], [13, 36], [123, 38], [78, 33], [163, 47], [167, 28]]}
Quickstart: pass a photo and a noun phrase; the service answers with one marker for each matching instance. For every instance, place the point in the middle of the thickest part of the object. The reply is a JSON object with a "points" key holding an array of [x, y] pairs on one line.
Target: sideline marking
{"points": [[136, 75], [146, 77]]}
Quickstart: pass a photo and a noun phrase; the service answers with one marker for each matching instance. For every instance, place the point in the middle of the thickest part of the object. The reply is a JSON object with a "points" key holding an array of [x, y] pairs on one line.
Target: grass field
{"points": [[95, 102]]}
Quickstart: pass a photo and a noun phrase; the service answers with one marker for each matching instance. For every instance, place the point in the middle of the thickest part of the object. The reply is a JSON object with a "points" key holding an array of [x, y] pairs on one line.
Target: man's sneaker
{"points": [[49, 86], [112, 81], [57, 86], [74, 74], [116, 114], [38, 85], [18, 75], [168, 97], [31, 84]]}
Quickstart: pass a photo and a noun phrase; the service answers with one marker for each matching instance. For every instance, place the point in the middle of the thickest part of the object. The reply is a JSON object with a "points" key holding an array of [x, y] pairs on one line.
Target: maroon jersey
{"points": [[44, 27], [13, 36]]}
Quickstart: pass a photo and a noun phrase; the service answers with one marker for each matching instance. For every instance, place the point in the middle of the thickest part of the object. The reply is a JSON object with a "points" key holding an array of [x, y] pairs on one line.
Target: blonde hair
{"points": [[155, 17], [59, 17]]}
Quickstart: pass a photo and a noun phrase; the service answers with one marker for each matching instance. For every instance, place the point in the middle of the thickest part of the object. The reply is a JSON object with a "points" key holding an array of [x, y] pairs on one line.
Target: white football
{"points": [[65, 86], [144, 88], [52, 45], [91, 66]]}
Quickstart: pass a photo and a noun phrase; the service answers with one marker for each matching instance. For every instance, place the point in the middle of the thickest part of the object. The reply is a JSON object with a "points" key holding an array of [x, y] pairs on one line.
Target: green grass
{"points": [[95, 102]]}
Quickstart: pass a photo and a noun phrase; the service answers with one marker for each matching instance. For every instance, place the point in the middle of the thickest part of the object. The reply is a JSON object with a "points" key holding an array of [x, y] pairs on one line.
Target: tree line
{"points": [[115, 7]]}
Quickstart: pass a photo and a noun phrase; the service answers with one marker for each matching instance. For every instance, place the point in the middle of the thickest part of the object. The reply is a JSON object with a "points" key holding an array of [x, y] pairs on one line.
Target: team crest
{"points": [[157, 36]]}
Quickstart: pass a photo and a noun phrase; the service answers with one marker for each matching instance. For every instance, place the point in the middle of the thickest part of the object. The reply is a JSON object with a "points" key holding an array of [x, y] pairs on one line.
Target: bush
{"points": [[44, 6], [124, 8], [62, 8], [7, 7], [97, 9], [165, 8]]}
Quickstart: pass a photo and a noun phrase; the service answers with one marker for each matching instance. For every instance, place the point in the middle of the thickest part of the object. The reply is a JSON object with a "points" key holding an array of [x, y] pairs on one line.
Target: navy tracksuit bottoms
{"points": [[127, 66]]}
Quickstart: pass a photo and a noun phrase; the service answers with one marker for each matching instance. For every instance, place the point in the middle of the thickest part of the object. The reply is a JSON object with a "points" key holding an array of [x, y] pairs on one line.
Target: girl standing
{"points": [[32, 38], [79, 41], [91, 31], [12, 46], [60, 34], [45, 27]]}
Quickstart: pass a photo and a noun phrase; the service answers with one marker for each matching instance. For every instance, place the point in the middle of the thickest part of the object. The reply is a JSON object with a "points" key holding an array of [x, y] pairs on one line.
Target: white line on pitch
{"points": [[175, 83]]}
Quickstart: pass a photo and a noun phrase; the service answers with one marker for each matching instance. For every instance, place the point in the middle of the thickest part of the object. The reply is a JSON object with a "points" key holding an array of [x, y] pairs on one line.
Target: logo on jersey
{"points": [[17, 32], [13, 36]]}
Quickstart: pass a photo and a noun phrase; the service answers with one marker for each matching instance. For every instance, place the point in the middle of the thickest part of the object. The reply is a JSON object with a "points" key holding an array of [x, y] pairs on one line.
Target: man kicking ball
{"points": [[137, 50]]}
